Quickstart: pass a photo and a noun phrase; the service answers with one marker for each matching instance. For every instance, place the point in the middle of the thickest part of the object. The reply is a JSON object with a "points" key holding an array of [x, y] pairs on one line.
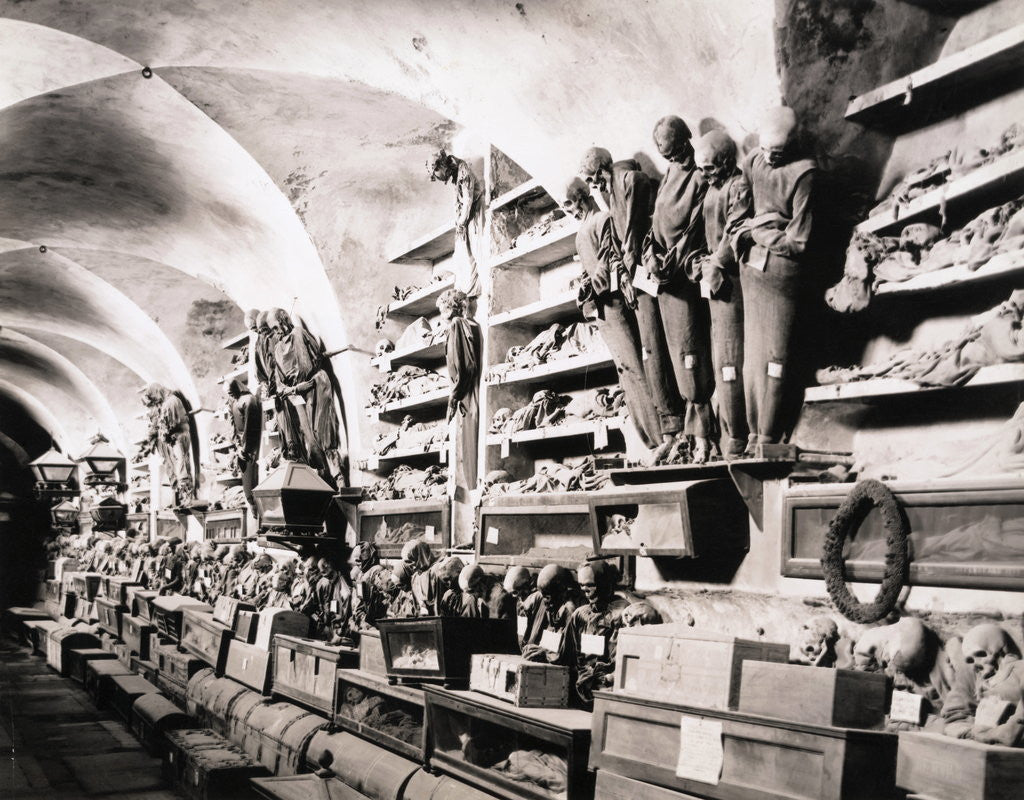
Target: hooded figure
{"points": [[671, 255], [593, 629], [606, 286], [463, 350], [425, 583], [247, 422], [402, 603], [727, 205], [369, 601], [772, 247], [628, 195], [560, 596]]}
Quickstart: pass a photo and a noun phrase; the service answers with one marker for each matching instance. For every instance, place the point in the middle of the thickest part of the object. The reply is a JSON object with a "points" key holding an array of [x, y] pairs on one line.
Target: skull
{"points": [[496, 476], [820, 635], [501, 416], [984, 648], [640, 613], [383, 346]]}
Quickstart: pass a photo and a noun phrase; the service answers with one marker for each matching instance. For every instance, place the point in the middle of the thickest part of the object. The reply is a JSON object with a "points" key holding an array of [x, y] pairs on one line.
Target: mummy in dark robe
{"points": [[171, 428], [247, 422], [463, 350]]}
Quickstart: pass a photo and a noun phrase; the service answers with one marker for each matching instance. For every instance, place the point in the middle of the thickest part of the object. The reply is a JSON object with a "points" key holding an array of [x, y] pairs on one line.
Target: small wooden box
{"points": [[958, 769], [371, 653], [274, 621], [305, 670], [225, 525], [136, 632], [491, 731], [60, 643], [841, 697], [115, 588], [77, 658], [524, 684], [110, 614], [97, 678], [226, 609], [213, 773], [248, 665], [186, 739], [388, 715], [153, 715], [247, 623], [205, 638], [125, 690], [439, 648], [681, 664], [762, 757], [140, 602], [167, 612]]}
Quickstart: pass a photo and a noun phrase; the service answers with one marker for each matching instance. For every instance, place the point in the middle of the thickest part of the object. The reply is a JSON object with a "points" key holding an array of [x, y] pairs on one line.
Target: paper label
{"points": [[906, 707], [521, 625], [168, 574], [758, 259], [614, 280], [644, 283], [373, 463], [551, 641], [643, 353], [705, 291], [361, 590], [443, 453], [729, 374], [334, 606], [428, 533], [505, 445], [601, 436], [297, 400], [245, 663], [774, 369], [592, 644], [700, 750], [492, 536], [384, 364], [689, 361]]}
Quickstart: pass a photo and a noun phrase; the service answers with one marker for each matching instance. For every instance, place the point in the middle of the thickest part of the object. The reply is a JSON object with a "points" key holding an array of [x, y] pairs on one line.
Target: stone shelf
{"points": [[555, 246], [559, 308], [236, 342], [422, 354], [1002, 265], [373, 462], [1003, 174], [509, 197], [430, 247], [998, 374], [423, 301], [959, 76], [553, 432], [438, 397], [559, 368], [238, 373]]}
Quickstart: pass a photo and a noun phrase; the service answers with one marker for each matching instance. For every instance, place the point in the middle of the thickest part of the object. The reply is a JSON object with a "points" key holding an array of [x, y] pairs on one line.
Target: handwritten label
{"points": [[521, 625], [492, 536], [700, 750], [297, 400], [551, 641], [592, 644], [334, 606], [614, 280], [168, 574], [245, 664], [443, 453], [428, 533], [906, 707]]}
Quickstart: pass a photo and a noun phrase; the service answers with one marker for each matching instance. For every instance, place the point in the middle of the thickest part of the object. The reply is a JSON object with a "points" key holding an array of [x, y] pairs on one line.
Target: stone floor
{"points": [[57, 744]]}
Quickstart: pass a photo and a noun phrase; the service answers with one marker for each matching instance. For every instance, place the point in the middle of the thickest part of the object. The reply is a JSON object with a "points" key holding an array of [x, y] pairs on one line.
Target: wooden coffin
{"points": [[125, 690], [844, 698], [389, 524], [97, 679], [153, 715], [368, 769], [761, 757], [439, 649], [246, 625], [495, 733], [388, 715], [274, 621], [211, 699], [186, 739], [213, 773], [205, 638], [115, 588], [424, 786], [524, 684], [14, 619], [140, 602], [226, 609], [276, 734], [168, 610], [85, 610], [146, 669], [61, 641], [225, 525], [249, 665], [110, 613], [616, 787], [687, 666], [371, 653], [78, 657], [958, 769], [305, 671], [180, 666], [68, 604], [86, 584], [534, 530], [64, 564], [123, 654], [38, 633], [136, 634]]}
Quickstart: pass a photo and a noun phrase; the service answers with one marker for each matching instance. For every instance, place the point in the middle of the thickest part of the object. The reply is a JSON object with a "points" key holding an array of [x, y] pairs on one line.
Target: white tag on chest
{"points": [[592, 644]]}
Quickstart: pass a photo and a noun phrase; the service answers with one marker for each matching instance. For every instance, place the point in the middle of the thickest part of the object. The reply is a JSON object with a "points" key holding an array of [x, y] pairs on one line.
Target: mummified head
{"points": [[986, 646]]}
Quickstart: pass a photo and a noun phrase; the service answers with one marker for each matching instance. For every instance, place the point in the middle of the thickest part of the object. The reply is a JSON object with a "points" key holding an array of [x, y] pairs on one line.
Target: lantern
{"points": [[64, 515], [105, 463], [293, 497], [54, 469], [108, 515]]}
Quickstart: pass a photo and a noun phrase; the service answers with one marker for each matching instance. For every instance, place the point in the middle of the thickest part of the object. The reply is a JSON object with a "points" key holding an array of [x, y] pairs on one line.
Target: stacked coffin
{"points": [[942, 768], [700, 714], [249, 658]]}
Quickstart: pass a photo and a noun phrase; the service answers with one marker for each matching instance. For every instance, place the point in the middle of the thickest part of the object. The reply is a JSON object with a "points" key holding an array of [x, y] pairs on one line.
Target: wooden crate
{"points": [[125, 690], [391, 523], [212, 772], [247, 623], [205, 638], [153, 715], [38, 632], [228, 524], [97, 678], [77, 658], [180, 666], [85, 610], [524, 684], [386, 714], [274, 621], [439, 649], [168, 610], [86, 584], [841, 697], [249, 665], [115, 588], [61, 641], [110, 613], [371, 653], [140, 602], [136, 634], [686, 665], [958, 769], [225, 610], [761, 757], [617, 787], [305, 671], [146, 669], [276, 734], [183, 739], [459, 722]]}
